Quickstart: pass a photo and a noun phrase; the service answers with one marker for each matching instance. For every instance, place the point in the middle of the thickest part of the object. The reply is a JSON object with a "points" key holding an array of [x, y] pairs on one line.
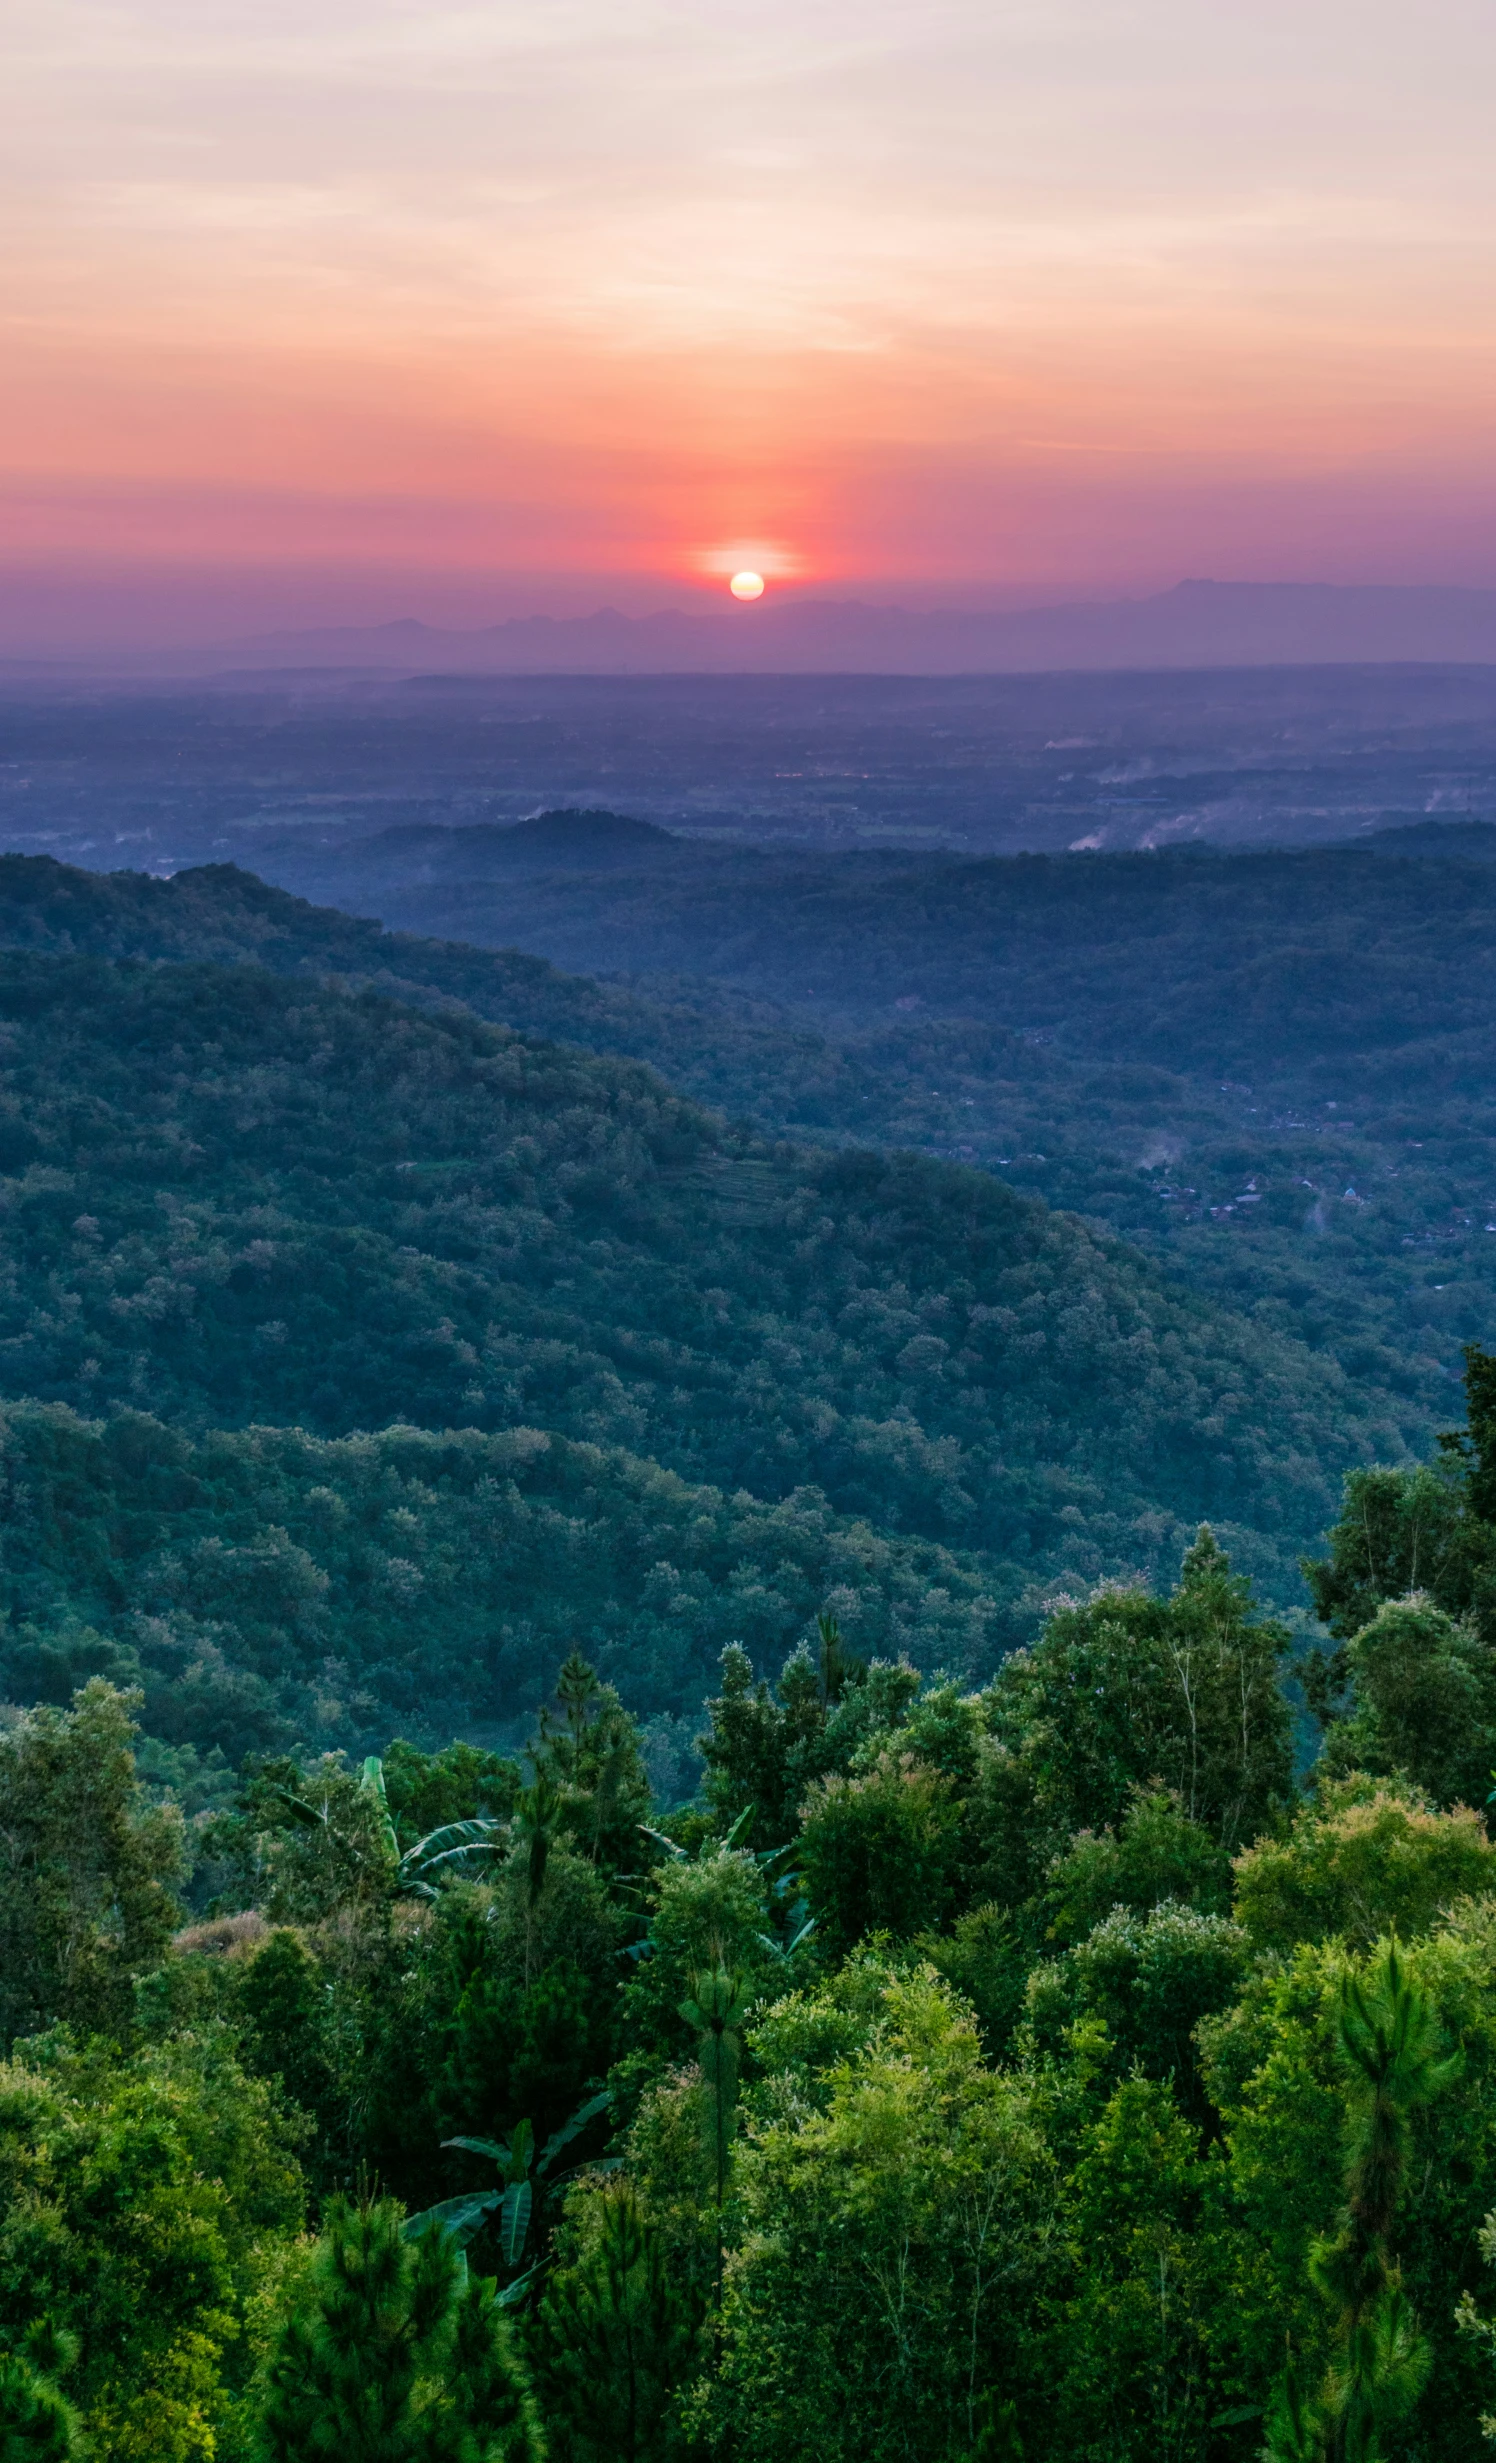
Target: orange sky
{"points": [[357, 309]]}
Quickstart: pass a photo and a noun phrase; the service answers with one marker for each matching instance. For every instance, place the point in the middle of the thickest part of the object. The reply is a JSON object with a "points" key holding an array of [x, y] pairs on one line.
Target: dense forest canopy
{"points": [[963, 2073], [1268, 1068], [1248, 964], [637, 1823], [1333, 1203], [265, 1586], [233, 1198]]}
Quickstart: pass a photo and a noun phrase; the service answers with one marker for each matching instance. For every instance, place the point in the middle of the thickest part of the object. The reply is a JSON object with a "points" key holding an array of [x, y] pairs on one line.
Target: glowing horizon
{"points": [[379, 309]]}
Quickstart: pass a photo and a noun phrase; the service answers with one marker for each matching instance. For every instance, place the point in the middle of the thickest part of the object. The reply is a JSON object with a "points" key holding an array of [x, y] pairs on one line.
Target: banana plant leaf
{"points": [[451, 1838], [301, 1811], [371, 1783], [480, 2146], [573, 2128], [787, 1949], [514, 2220], [458, 2218], [454, 1856], [598, 2163], [514, 2293]]}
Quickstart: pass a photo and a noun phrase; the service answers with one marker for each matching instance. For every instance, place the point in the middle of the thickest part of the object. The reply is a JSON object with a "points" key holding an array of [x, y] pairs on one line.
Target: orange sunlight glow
{"points": [[964, 304]]}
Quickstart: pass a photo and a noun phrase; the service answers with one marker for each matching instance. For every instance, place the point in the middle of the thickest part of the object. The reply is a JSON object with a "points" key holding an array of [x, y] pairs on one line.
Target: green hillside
{"points": [[234, 1198], [1241, 964], [265, 1584], [1357, 1229], [1269, 1071]]}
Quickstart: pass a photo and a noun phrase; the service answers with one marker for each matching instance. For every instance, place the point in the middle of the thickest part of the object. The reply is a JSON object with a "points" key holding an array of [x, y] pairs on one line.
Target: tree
{"points": [[86, 1866], [1134, 2329], [427, 1790], [523, 2173], [522, 1992], [1392, 2047], [37, 2422], [1474, 1447], [1365, 1856], [1429, 1532], [590, 1756], [879, 1852], [391, 2354], [1130, 1691], [1482, 2330], [355, 1848], [1150, 1980], [762, 1749], [1422, 1700], [1155, 1853], [1399, 1532], [1277, 2076], [283, 2000], [716, 2011], [614, 2338], [707, 1911], [144, 2199], [896, 2209]]}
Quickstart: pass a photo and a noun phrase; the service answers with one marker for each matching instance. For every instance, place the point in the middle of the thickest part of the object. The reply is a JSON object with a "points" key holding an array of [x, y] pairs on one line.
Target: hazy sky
{"points": [[389, 308]]}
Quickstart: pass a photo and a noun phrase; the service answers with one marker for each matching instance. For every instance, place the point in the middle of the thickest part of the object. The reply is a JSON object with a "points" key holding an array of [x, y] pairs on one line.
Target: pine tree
{"points": [[392, 2355], [37, 2423], [614, 2341], [1391, 2044]]}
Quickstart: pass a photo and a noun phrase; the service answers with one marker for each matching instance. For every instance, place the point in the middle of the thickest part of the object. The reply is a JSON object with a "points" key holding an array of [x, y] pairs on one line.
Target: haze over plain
{"points": [[375, 312]]}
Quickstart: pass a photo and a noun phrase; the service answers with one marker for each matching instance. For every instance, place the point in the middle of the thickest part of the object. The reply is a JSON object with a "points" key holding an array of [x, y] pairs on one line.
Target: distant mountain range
{"points": [[1196, 624]]}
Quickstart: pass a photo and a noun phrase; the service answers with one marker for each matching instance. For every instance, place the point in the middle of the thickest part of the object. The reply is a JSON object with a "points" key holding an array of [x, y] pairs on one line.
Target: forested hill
{"points": [[1356, 1226], [265, 1586], [220, 913], [1248, 964], [230, 1197]]}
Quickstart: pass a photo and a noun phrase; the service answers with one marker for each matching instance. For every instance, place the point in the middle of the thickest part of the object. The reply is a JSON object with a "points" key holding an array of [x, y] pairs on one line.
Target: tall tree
{"points": [[614, 2338], [86, 1867], [716, 2009], [1128, 1690], [391, 2354], [1391, 2044]]}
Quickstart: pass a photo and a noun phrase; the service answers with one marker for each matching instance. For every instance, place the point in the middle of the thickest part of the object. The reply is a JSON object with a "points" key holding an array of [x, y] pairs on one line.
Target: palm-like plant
{"points": [[717, 2009], [783, 1887], [524, 2183], [452, 1853]]}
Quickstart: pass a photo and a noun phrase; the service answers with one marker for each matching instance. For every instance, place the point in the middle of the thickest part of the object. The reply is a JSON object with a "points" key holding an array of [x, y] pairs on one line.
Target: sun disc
{"points": [[747, 585]]}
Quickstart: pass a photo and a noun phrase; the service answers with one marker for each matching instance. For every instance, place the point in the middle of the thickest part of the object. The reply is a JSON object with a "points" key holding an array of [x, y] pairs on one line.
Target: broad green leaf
{"points": [[514, 2220], [514, 2293], [371, 1783], [458, 2218], [455, 1857], [450, 1835], [571, 2129], [304, 1813], [480, 2146], [744, 1818]]}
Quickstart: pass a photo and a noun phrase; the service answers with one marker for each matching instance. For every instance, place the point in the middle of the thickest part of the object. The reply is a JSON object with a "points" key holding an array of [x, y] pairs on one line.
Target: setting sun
{"points": [[747, 585]]}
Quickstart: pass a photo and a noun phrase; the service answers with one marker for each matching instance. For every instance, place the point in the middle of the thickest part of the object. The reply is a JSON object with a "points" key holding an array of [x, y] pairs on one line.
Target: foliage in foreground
{"points": [[959, 2074]]}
